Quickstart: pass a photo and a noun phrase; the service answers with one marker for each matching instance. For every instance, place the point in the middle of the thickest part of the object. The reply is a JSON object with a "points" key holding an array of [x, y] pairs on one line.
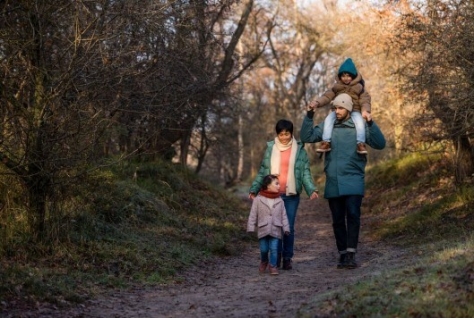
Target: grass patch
{"points": [[440, 285], [413, 203], [415, 198], [118, 231], [445, 217]]}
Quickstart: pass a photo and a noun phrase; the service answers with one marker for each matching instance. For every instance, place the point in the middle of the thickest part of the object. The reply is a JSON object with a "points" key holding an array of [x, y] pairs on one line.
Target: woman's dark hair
{"points": [[267, 180], [284, 125]]}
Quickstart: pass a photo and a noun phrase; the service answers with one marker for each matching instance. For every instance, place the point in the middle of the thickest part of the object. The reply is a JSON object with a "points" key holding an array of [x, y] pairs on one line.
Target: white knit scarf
{"points": [[275, 163]]}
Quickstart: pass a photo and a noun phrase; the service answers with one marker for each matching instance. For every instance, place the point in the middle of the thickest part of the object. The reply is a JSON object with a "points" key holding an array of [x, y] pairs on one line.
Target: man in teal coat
{"points": [[345, 174]]}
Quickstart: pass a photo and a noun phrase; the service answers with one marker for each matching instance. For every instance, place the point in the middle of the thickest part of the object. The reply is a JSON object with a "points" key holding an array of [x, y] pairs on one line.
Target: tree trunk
{"points": [[240, 166], [184, 145], [464, 159], [203, 145], [37, 189]]}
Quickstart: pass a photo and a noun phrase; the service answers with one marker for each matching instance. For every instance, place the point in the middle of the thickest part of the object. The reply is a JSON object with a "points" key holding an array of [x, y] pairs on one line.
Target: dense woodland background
{"points": [[90, 84]]}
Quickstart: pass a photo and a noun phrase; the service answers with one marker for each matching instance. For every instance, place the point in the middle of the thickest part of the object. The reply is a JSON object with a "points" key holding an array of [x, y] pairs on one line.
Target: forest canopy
{"points": [[201, 83]]}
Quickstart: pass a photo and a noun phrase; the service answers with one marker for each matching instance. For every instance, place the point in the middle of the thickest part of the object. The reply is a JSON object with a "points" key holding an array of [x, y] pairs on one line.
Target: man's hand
{"points": [[312, 105]]}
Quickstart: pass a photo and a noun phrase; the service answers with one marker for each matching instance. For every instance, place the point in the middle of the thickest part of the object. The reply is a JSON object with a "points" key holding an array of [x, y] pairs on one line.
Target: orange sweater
{"points": [[284, 164]]}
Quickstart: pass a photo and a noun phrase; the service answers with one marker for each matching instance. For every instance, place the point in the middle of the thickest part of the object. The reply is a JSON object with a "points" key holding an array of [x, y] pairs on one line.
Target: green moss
{"points": [[117, 229]]}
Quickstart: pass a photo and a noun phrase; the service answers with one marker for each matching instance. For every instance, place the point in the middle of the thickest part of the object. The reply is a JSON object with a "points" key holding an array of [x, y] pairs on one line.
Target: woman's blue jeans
{"points": [[269, 244], [346, 208], [291, 205]]}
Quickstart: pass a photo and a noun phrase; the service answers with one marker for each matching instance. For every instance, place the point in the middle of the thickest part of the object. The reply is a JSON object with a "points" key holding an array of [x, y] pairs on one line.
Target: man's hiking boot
{"points": [[263, 266], [287, 264], [324, 147], [351, 261], [342, 261], [361, 148], [273, 270]]}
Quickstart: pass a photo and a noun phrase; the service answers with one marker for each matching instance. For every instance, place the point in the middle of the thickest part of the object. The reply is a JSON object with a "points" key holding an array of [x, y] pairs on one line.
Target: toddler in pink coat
{"points": [[268, 216]]}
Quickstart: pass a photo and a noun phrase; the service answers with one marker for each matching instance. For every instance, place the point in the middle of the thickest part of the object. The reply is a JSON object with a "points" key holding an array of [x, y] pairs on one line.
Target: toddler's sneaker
{"points": [[361, 148], [324, 147]]}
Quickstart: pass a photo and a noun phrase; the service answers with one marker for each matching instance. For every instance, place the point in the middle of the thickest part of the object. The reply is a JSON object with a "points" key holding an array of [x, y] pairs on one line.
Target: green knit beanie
{"points": [[348, 67]]}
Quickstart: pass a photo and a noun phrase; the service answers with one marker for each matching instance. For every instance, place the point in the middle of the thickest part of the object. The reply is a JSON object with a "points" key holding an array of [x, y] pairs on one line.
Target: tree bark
{"points": [[464, 159]]}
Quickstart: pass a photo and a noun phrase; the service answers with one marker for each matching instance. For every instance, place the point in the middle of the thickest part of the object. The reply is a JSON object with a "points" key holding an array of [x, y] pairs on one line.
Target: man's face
{"points": [[342, 114]]}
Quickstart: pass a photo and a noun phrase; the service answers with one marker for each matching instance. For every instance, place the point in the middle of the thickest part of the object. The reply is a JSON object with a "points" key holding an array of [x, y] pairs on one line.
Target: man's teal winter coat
{"points": [[344, 167], [302, 170]]}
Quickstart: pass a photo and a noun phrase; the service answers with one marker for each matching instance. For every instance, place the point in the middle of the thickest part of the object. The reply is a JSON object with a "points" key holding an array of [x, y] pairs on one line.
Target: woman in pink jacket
{"points": [[268, 216]]}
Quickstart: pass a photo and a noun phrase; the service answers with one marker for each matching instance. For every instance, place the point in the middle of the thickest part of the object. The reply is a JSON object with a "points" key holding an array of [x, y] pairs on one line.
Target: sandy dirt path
{"points": [[232, 287]]}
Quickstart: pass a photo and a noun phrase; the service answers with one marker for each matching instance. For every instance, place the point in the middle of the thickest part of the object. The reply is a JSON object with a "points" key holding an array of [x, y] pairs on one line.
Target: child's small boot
{"points": [[273, 270], [324, 147], [263, 266], [361, 148]]}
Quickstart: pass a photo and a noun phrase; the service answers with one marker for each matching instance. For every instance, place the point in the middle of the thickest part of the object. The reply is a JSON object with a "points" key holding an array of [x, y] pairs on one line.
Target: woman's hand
{"points": [[314, 195]]}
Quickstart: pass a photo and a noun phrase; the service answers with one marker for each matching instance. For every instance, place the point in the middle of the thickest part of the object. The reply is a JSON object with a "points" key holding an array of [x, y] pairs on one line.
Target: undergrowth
{"points": [[125, 225], [413, 203], [415, 198]]}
